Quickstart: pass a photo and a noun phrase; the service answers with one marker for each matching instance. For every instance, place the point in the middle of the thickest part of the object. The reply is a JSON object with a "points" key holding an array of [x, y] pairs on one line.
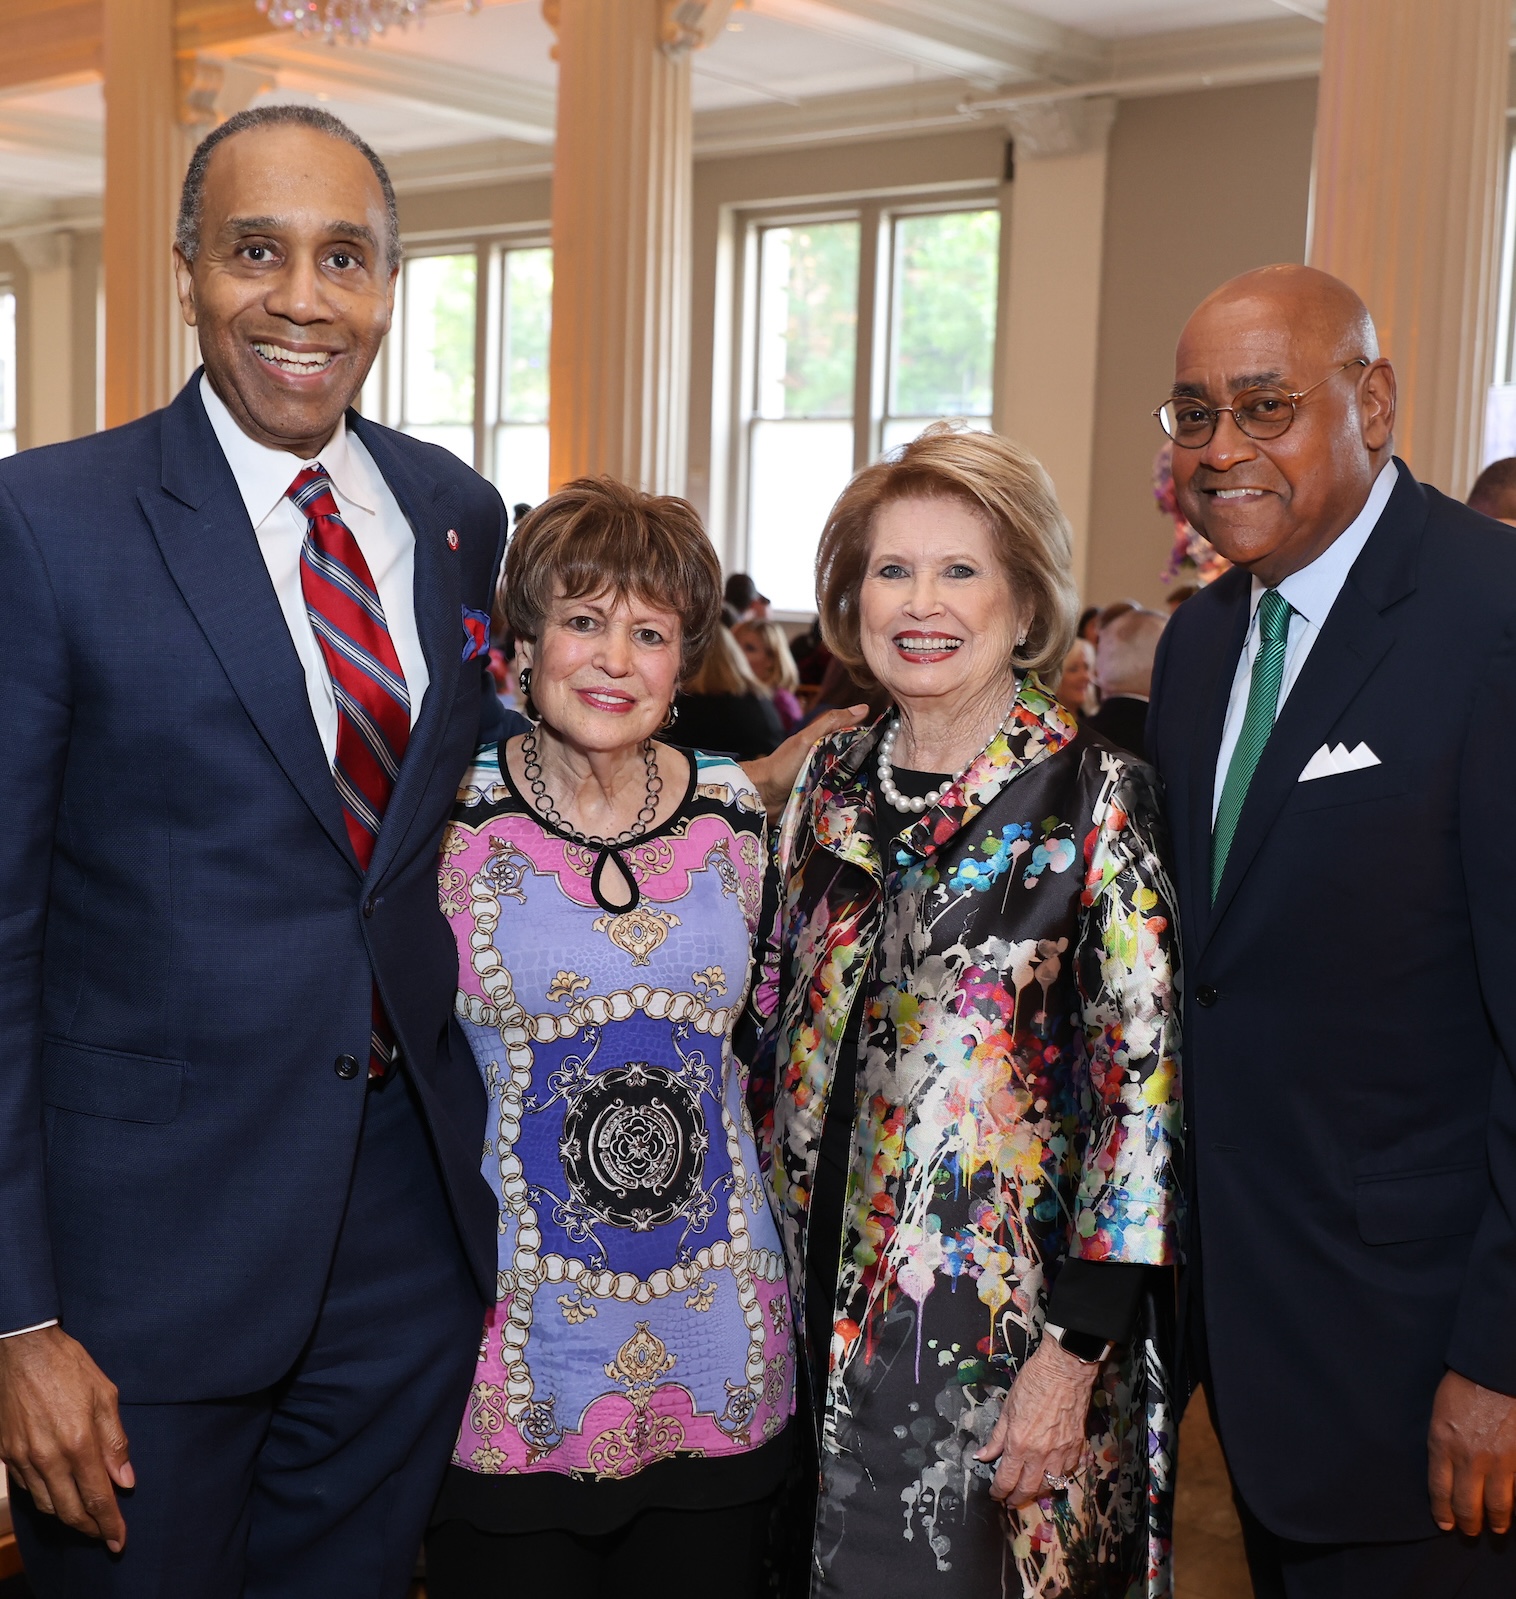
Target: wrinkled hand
{"points": [[61, 1433], [1471, 1456], [774, 775], [1042, 1425]]}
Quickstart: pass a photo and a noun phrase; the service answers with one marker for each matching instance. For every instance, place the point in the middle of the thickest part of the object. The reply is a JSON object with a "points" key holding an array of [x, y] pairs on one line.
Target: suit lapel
{"points": [[431, 508], [201, 525], [1354, 639]]}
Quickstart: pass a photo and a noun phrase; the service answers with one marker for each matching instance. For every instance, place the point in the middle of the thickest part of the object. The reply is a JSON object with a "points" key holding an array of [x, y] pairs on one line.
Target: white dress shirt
{"points": [[1311, 592], [378, 524]]}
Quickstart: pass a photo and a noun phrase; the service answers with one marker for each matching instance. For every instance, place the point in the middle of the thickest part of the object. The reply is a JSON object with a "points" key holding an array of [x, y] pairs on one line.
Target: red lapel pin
{"points": [[452, 538]]}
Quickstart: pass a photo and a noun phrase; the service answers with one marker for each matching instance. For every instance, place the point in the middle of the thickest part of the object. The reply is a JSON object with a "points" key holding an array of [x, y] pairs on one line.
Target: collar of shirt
{"points": [[264, 475], [1313, 590]]}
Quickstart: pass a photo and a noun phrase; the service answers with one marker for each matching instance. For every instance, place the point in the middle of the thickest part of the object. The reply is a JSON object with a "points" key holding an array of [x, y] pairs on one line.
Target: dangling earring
{"points": [[524, 678], [671, 718]]}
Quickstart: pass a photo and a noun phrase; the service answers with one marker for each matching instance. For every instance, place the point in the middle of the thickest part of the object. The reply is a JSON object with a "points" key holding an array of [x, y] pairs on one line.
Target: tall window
{"points": [[466, 365], [801, 433], [439, 300], [7, 372], [526, 310], [863, 329], [944, 281]]}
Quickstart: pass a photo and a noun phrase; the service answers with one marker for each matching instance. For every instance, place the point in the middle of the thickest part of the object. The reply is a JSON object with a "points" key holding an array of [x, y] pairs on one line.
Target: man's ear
{"points": [[184, 286], [1376, 402]]}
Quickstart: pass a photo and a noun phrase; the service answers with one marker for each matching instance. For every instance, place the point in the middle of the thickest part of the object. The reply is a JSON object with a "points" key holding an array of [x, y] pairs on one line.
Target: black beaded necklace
{"points": [[542, 803]]}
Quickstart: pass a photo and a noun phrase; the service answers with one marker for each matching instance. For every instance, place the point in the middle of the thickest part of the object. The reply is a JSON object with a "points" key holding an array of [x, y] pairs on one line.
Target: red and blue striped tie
{"points": [[373, 703]]}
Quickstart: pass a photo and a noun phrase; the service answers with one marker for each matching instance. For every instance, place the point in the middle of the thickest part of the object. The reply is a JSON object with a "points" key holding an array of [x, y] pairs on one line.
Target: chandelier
{"points": [[353, 21]]}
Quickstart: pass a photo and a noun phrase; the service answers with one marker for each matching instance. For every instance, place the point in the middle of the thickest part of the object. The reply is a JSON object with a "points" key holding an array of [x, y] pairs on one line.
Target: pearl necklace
{"points": [[923, 802]]}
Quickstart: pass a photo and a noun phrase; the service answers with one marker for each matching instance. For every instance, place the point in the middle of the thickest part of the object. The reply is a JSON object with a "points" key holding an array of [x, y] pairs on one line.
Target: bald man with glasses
{"points": [[1332, 724]]}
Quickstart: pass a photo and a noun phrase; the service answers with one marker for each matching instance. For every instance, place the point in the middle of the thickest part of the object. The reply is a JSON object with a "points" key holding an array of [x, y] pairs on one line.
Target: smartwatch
{"points": [[1090, 1348]]}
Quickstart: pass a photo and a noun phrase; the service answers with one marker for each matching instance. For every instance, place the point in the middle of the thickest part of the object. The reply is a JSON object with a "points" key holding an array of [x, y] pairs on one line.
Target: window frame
{"points": [[382, 397], [736, 400]]}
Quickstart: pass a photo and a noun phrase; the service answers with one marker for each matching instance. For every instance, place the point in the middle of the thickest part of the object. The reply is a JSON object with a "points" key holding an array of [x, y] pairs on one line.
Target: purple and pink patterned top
{"points": [[642, 1309]]}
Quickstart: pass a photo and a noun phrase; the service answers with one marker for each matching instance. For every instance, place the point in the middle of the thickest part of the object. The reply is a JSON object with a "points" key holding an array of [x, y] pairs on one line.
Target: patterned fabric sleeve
{"points": [[755, 1040], [1127, 968]]}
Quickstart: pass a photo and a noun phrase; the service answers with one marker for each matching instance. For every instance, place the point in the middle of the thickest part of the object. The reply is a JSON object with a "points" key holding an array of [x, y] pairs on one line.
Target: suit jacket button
{"points": [[1205, 995], [368, 906], [346, 1067]]}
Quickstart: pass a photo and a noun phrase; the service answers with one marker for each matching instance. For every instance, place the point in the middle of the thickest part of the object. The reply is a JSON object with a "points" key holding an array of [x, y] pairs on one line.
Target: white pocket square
{"points": [[1329, 762]]}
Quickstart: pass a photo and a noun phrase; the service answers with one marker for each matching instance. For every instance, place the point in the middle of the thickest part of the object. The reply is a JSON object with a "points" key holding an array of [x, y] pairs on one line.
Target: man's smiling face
{"points": [[1273, 505], [290, 289]]}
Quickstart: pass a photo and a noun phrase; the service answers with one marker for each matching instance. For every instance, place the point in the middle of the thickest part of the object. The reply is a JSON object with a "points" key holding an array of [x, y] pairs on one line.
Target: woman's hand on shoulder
{"points": [[1041, 1430], [774, 775]]}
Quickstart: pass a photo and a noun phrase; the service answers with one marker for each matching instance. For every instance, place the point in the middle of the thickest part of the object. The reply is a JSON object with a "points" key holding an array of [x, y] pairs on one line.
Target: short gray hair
{"points": [[192, 196]]}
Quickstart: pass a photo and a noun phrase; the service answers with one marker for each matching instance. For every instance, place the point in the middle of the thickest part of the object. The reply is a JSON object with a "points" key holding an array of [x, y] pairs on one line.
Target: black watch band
{"points": [[1091, 1348]]}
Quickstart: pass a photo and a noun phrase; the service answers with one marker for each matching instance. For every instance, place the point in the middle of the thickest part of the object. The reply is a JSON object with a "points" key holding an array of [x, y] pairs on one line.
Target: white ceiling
{"points": [[487, 78]]}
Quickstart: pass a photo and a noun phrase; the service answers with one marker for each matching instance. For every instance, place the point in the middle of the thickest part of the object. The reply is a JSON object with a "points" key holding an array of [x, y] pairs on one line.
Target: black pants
{"points": [[319, 1488], [1447, 1566], [659, 1554]]}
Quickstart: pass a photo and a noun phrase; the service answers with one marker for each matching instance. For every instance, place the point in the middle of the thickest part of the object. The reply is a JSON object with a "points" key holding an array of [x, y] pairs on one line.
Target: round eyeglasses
{"points": [[1261, 413]]}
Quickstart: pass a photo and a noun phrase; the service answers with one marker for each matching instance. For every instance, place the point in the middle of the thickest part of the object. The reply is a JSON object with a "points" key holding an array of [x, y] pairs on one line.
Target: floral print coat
{"points": [[1015, 951]]}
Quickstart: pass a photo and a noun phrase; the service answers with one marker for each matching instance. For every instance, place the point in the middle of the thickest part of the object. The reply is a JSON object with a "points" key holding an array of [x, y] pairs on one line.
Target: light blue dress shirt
{"points": [[1311, 592]]}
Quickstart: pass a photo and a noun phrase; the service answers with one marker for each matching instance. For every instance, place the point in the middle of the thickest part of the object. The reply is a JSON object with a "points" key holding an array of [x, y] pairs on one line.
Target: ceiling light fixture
{"points": [[352, 21]]}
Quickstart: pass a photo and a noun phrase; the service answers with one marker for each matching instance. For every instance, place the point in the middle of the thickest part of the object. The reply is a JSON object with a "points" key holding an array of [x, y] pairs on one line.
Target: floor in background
{"points": [[1208, 1558]]}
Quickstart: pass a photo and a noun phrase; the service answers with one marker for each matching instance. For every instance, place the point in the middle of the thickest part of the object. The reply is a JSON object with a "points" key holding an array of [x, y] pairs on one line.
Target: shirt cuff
{"points": [[20, 1330], [1097, 1296]]}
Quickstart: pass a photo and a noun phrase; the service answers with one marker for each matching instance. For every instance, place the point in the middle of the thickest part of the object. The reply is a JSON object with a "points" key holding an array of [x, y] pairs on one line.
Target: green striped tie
{"points": [[1263, 702]]}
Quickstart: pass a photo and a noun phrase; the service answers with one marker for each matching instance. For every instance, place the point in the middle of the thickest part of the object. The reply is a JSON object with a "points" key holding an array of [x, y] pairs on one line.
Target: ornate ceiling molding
{"points": [[1061, 127]]}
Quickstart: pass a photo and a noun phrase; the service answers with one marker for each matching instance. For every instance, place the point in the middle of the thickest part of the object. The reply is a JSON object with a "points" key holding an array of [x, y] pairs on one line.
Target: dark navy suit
{"points": [[1350, 1024], [193, 1176]]}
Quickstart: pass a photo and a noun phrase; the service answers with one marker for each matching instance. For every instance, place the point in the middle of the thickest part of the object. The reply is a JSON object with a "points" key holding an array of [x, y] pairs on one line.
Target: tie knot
{"points": [[1274, 617], [311, 492]]}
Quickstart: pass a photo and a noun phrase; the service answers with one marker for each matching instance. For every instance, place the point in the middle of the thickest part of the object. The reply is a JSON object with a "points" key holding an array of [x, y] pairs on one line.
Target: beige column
{"points": [[49, 262], [1045, 388], [1410, 135], [622, 177], [141, 195]]}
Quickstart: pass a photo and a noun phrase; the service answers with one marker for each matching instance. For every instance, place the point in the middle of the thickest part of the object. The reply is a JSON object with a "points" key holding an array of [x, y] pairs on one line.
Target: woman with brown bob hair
{"points": [[630, 1407], [974, 1089]]}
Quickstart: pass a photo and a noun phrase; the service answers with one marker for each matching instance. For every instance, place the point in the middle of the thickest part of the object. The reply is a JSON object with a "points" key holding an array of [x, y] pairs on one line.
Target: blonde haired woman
{"points": [[768, 655], [976, 1105]]}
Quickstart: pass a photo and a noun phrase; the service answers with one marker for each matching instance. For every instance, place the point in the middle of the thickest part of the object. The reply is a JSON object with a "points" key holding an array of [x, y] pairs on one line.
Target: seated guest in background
{"points": [[741, 593], [1124, 675], [975, 1112], [768, 656], [1076, 679], [1331, 721], [1494, 491], [1089, 624], [628, 1424], [1177, 595], [724, 707]]}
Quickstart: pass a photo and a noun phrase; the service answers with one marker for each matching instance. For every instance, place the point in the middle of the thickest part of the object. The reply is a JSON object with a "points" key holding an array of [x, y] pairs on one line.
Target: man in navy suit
{"points": [[244, 1241], [1332, 723]]}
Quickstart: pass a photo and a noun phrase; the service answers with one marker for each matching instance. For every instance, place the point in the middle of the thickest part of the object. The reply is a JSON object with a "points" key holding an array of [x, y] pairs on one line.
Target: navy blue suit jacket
{"points": [[187, 944], [1350, 1022]]}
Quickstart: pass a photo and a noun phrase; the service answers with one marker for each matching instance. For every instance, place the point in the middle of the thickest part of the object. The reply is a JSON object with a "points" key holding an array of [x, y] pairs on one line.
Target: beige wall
{"points": [[1186, 208], [486, 205]]}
